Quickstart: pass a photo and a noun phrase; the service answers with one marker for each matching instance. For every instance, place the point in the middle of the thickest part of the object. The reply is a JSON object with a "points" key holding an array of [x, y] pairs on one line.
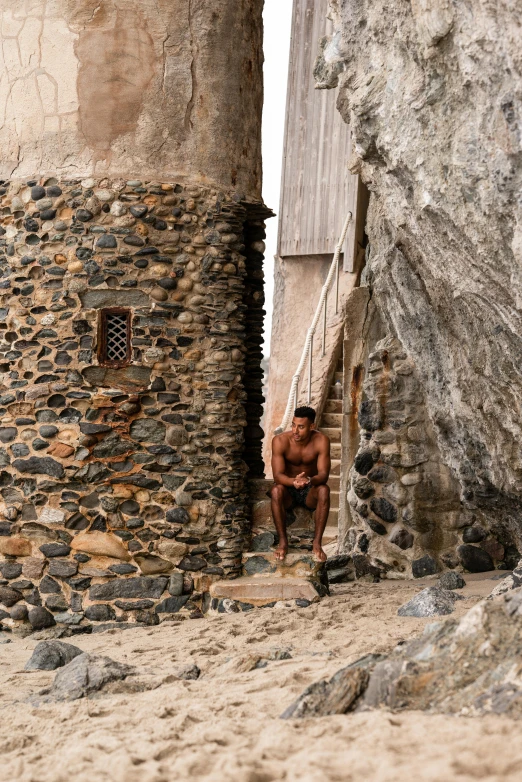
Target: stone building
{"points": [[131, 285]]}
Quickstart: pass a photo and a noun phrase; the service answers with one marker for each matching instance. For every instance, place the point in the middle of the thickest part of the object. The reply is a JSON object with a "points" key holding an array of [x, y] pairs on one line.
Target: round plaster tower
{"points": [[131, 241]]}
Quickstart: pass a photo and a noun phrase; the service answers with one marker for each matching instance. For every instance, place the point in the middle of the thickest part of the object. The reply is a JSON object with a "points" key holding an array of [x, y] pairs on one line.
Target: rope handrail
{"points": [[308, 346]]}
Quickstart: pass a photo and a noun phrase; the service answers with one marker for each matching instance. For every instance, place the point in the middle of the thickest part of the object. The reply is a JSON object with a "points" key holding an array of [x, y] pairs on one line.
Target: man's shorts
{"points": [[299, 495]]}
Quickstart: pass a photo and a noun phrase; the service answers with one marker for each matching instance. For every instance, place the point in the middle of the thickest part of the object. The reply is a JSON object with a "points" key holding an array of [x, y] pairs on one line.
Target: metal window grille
{"points": [[117, 337], [114, 345]]}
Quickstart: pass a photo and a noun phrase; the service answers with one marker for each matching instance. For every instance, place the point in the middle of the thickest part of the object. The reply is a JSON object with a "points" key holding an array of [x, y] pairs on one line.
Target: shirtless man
{"points": [[301, 466]]}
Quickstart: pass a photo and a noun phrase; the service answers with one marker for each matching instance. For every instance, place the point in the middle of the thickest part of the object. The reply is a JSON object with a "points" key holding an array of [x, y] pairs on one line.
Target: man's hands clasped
{"points": [[301, 481]]}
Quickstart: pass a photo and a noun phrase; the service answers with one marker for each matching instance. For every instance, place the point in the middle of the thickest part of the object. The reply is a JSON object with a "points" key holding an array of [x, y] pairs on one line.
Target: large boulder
{"points": [[49, 655], [470, 666], [86, 674], [432, 601], [336, 696], [451, 580], [340, 569], [509, 582], [475, 559]]}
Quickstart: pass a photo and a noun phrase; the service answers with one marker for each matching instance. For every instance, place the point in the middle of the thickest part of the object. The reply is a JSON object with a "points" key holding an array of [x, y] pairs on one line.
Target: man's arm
{"points": [[279, 464], [323, 463]]}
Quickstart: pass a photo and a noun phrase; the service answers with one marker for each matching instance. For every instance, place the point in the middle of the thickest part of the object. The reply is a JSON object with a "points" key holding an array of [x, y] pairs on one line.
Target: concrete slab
{"points": [[262, 590]]}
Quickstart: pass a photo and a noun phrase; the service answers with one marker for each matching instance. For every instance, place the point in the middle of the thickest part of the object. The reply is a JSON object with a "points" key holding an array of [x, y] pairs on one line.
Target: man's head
{"points": [[302, 423]]}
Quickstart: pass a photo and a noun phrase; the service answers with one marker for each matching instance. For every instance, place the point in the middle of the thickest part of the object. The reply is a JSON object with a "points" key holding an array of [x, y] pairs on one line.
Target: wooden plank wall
{"points": [[317, 188]]}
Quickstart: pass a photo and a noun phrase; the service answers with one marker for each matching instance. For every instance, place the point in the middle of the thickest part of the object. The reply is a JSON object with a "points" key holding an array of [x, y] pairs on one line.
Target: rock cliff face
{"points": [[432, 91]]}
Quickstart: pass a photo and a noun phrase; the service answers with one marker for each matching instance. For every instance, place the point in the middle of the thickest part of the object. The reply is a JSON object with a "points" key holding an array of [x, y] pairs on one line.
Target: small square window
{"points": [[114, 348]]}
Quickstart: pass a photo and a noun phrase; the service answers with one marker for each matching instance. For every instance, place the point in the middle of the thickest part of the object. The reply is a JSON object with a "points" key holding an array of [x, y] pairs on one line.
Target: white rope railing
{"points": [[308, 346]]}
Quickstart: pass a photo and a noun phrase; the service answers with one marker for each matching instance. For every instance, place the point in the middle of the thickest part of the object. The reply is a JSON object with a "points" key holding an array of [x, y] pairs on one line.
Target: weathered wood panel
{"points": [[317, 188]]}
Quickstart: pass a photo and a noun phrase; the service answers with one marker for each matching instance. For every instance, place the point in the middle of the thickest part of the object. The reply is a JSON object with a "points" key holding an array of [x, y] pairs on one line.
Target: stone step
{"points": [[333, 434], [297, 564], [334, 500], [333, 406], [331, 534], [248, 591], [332, 394], [332, 420], [333, 517], [334, 483], [335, 468], [267, 580], [258, 487], [335, 450]]}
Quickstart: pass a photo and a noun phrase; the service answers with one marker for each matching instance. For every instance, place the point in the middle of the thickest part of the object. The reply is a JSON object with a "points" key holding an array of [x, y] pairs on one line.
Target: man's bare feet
{"points": [[318, 553], [281, 551]]}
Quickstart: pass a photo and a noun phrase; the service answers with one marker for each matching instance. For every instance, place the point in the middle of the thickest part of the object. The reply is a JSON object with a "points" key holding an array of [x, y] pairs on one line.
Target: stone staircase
{"points": [[330, 424], [266, 581]]}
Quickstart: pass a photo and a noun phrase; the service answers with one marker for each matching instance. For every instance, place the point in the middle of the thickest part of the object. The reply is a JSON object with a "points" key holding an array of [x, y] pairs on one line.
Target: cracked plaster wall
{"points": [[159, 88]]}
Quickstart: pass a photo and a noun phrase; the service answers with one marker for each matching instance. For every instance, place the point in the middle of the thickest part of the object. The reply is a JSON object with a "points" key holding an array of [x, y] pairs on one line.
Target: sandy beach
{"points": [[225, 726]]}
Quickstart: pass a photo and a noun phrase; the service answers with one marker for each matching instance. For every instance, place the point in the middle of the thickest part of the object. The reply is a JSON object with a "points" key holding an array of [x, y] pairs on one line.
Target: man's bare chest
{"points": [[296, 456]]}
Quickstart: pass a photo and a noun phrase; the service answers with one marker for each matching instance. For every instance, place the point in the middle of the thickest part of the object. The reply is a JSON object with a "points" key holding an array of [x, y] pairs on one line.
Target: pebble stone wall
{"points": [[405, 501], [123, 489]]}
